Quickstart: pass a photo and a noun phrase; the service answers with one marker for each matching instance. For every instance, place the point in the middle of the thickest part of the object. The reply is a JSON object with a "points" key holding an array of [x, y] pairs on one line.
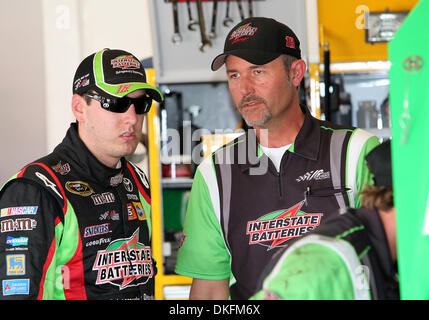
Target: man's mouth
{"points": [[250, 102], [128, 135]]}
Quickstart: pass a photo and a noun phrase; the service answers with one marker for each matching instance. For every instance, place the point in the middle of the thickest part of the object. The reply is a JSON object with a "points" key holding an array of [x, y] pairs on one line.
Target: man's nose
{"points": [[131, 115], [246, 86]]}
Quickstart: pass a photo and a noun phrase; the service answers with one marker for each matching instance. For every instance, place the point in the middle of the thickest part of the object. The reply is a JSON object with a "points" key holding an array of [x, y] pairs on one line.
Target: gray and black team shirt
{"points": [[242, 210]]}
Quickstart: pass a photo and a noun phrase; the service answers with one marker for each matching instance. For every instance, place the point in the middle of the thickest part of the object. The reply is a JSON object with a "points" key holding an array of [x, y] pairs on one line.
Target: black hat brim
{"points": [[256, 57]]}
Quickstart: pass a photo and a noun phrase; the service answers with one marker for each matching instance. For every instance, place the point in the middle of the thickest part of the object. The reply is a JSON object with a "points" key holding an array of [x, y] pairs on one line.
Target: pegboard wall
{"points": [[183, 61]]}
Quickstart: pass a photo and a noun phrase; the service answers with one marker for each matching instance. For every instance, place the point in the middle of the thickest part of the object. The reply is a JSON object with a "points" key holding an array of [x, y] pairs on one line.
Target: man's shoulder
{"points": [[40, 174], [328, 125]]}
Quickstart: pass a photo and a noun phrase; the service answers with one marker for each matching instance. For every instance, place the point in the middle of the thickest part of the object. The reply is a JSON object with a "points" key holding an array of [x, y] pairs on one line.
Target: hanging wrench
{"points": [[250, 8], [227, 21], [177, 37], [212, 33], [192, 22], [240, 9], [204, 40]]}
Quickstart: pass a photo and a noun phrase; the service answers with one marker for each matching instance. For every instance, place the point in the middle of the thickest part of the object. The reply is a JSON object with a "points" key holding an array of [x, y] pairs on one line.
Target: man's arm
{"points": [[209, 289], [27, 223]]}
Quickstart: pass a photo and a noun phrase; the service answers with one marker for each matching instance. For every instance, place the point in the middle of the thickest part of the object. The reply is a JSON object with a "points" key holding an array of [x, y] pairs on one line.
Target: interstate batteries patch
{"points": [[124, 263], [274, 229]]}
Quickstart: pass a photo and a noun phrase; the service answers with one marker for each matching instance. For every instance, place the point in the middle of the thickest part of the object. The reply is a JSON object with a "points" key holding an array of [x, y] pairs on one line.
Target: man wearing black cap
{"points": [[352, 256], [75, 224], [284, 177]]}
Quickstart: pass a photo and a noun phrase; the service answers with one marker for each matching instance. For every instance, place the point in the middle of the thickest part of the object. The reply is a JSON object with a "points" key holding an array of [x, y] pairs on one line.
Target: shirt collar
{"points": [[306, 144], [73, 150]]}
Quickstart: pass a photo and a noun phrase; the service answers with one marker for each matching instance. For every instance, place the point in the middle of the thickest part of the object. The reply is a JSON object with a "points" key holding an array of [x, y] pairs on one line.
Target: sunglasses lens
{"points": [[142, 105]]}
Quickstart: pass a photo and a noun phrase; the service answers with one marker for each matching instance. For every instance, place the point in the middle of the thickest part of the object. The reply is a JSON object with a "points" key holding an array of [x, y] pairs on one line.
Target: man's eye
{"points": [[234, 75]]}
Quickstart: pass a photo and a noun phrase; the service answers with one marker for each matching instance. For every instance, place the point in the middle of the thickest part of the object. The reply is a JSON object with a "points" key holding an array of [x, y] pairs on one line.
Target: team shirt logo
{"points": [[274, 229], [124, 262]]}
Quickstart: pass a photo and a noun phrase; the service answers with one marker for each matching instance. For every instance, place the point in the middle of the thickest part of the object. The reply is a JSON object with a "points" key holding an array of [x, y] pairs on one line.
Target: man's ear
{"points": [[297, 72], [78, 107]]}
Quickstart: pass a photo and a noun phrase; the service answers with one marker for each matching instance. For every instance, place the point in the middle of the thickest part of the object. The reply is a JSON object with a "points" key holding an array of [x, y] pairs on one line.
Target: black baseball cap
{"points": [[114, 74], [259, 40], [379, 161]]}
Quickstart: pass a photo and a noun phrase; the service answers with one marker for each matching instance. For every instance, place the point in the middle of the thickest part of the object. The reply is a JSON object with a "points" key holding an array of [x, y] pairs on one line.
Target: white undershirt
{"points": [[275, 154]]}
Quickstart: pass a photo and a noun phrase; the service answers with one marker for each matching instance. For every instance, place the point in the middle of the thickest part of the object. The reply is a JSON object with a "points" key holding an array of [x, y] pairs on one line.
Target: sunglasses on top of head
{"points": [[119, 105]]}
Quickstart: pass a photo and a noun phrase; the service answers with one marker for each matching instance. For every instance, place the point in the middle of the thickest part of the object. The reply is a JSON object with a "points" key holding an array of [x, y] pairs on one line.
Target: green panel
{"points": [[409, 104], [175, 202]]}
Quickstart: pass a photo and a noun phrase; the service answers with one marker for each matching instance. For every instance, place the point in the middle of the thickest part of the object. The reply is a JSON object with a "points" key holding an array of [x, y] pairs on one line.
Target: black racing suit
{"points": [[72, 228]]}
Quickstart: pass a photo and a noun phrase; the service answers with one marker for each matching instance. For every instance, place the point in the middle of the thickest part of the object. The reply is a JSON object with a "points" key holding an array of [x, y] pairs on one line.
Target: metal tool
{"points": [[250, 8], [192, 22], [240, 9], [212, 33], [204, 40], [177, 37], [227, 20]]}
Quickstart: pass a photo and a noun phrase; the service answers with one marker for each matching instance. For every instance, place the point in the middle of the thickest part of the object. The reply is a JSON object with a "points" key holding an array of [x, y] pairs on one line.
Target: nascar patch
{"points": [[14, 211]]}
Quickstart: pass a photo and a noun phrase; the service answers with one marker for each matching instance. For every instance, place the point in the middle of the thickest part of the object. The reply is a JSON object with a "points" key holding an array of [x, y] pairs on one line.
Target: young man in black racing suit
{"points": [[76, 223]]}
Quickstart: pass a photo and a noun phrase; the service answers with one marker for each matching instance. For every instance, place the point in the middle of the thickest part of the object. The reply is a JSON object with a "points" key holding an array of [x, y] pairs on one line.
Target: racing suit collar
{"points": [[77, 154]]}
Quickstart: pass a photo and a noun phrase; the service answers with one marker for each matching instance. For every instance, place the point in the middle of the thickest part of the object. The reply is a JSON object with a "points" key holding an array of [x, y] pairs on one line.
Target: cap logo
{"points": [[81, 82], [243, 31], [290, 42], [125, 62]]}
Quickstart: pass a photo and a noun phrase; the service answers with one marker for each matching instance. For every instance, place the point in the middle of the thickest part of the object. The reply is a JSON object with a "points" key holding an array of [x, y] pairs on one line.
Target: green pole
{"points": [[409, 105]]}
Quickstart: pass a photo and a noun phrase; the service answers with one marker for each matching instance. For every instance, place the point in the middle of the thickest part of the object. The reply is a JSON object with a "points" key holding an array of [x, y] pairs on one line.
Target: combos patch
{"points": [[274, 229], [124, 263]]}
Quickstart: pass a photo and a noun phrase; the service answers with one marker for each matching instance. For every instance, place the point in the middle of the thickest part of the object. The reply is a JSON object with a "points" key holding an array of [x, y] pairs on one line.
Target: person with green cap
{"points": [[75, 224]]}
